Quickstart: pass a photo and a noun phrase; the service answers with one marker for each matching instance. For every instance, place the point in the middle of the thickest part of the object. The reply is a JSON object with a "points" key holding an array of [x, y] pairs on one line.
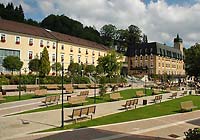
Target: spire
{"points": [[178, 39]]}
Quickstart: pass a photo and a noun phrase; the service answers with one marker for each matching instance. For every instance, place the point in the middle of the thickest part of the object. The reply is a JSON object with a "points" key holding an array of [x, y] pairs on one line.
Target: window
{"points": [[62, 57], [62, 47], [136, 58], [146, 57], [53, 57], [54, 45], [17, 40], [151, 50], [48, 44], [30, 41], [79, 50], [151, 64], [151, 56], [79, 59], [71, 49], [30, 55], [86, 51], [41, 43], [71, 58], [140, 57], [3, 38], [93, 53], [99, 54], [93, 60], [86, 60]]}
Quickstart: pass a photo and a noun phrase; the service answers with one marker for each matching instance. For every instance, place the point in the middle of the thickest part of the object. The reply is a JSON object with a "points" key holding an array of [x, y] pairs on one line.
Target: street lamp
{"points": [[62, 111]]}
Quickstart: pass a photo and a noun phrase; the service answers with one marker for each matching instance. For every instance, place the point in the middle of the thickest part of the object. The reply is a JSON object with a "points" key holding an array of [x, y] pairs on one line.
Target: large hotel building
{"points": [[27, 42], [156, 58]]}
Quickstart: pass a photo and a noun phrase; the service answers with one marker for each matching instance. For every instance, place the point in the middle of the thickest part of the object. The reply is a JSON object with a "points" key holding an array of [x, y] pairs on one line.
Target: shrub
{"points": [[80, 80], [192, 134], [4, 80]]}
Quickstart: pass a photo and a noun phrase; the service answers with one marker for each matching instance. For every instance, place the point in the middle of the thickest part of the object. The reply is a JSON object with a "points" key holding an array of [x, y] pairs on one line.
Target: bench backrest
{"points": [[139, 93], [186, 104], [53, 98], [52, 86], [128, 103], [69, 88], [91, 110], [84, 111], [76, 112], [48, 99], [77, 98], [9, 87], [134, 102], [84, 93], [174, 94], [159, 97], [40, 92], [82, 86]]}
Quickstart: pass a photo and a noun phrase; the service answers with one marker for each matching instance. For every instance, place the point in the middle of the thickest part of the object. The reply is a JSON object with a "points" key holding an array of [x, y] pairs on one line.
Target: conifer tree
{"points": [[44, 63]]}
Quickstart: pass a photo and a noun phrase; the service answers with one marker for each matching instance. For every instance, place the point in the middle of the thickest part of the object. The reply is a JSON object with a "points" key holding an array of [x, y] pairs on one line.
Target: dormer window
{"points": [[48, 44], [41, 43], [54, 45], [17, 40], [3, 38], [71, 49], [30, 41]]}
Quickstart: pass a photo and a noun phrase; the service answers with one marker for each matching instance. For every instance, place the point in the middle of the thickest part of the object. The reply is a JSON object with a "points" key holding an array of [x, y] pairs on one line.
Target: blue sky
{"points": [[161, 20]]}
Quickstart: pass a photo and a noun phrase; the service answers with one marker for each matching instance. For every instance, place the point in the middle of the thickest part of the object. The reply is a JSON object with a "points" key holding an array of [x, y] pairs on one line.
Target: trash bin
{"points": [[144, 102]]}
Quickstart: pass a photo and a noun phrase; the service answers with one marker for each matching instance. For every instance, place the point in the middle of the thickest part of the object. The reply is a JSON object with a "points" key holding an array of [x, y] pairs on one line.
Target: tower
{"points": [[178, 43]]}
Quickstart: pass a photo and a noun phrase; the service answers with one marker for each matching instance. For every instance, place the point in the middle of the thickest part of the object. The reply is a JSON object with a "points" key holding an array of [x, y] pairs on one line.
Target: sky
{"points": [[160, 20]]}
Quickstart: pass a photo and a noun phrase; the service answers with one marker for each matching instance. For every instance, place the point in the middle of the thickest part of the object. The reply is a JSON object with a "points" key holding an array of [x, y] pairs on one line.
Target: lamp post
{"points": [[62, 111], [20, 84]]}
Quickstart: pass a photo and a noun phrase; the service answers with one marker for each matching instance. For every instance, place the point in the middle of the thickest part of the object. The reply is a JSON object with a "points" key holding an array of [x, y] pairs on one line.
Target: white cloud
{"points": [[159, 20]]}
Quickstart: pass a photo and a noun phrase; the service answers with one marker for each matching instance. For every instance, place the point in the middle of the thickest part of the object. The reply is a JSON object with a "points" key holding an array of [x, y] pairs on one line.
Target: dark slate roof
{"points": [[16, 27], [154, 48]]}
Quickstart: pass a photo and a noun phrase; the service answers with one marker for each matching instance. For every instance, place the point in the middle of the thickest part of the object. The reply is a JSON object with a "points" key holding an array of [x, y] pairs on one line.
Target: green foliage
{"points": [[58, 65], [44, 63], [80, 79], [12, 63], [114, 79], [192, 134], [110, 63], [4, 80], [192, 57], [134, 35], [89, 69], [34, 65], [102, 89], [74, 68], [99, 69]]}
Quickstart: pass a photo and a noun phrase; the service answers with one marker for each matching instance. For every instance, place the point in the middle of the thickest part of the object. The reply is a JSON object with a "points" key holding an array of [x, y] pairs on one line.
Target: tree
{"points": [[74, 68], [34, 65], [110, 63], [108, 33], [89, 69], [192, 63], [44, 63], [99, 69], [12, 63], [134, 35], [58, 65]]}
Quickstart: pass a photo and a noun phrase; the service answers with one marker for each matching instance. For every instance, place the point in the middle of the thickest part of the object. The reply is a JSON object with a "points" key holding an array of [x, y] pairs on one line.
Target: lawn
{"points": [[155, 110], [23, 97], [126, 94]]}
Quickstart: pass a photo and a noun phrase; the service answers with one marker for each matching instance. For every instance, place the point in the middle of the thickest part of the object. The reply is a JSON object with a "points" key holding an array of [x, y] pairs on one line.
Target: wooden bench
{"points": [[7, 88], [52, 87], [139, 93], [83, 112], [30, 88], [40, 92], [115, 96], [157, 98], [187, 106], [130, 103], [156, 92], [69, 88], [77, 100], [51, 99], [84, 93], [82, 86], [174, 95]]}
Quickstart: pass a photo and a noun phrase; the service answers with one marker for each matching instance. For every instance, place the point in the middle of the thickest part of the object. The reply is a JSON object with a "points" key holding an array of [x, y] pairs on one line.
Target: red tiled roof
{"points": [[12, 26]]}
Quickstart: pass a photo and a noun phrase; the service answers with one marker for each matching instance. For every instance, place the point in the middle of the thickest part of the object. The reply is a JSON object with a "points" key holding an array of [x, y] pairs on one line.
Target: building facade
{"points": [[156, 58], [27, 42]]}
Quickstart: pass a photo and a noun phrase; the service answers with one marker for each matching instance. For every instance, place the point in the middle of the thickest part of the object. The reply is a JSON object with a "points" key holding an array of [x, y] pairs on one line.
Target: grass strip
{"points": [[126, 94], [155, 110]]}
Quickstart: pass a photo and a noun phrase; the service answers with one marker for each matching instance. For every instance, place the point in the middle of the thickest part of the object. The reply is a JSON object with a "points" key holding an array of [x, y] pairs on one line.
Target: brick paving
{"points": [[145, 129]]}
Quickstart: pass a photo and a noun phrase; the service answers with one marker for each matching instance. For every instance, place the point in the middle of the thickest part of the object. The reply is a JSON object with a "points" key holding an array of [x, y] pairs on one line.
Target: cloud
{"points": [[160, 20]]}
